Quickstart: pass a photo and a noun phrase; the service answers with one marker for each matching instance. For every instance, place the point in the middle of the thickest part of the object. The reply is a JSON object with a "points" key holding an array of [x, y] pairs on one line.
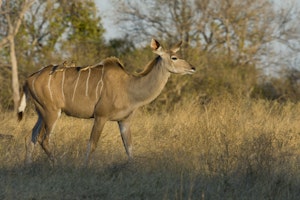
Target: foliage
{"points": [[12, 16], [227, 41], [53, 31], [120, 47], [84, 33], [60, 30], [206, 139], [284, 88], [236, 28], [5, 89]]}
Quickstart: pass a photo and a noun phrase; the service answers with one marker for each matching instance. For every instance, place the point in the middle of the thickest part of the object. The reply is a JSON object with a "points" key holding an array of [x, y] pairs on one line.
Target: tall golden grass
{"points": [[227, 149]]}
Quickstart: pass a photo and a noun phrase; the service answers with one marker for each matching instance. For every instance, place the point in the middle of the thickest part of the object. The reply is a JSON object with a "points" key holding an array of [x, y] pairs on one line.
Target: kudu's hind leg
{"points": [[30, 140], [94, 138], [44, 139]]}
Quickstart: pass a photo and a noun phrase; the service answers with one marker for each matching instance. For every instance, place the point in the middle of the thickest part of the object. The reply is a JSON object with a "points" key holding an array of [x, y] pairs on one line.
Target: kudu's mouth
{"points": [[191, 71]]}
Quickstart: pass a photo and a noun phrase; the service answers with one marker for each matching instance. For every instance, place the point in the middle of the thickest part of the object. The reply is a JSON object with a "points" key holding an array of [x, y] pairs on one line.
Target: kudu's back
{"points": [[74, 90]]}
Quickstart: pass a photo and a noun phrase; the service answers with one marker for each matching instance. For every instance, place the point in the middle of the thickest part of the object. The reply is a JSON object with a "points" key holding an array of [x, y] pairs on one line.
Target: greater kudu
{"points": [[104, 92]]}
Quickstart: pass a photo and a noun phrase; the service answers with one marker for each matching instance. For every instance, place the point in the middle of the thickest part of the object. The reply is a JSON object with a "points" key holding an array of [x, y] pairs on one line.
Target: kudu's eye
{"points": [[174, 58]]}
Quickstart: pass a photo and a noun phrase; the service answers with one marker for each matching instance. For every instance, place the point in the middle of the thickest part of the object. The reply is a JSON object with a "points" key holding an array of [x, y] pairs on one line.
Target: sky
{"points": [[105, 7], [112, 31]]}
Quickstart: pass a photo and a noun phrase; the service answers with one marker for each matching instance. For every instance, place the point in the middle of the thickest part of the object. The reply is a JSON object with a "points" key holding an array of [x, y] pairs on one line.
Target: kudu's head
{"points": [[173, 62]]}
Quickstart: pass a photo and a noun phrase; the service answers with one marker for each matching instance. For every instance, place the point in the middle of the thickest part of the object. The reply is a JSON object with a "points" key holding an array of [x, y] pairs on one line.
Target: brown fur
{"points": [[113, 61], [149, 67], [105, 92]]}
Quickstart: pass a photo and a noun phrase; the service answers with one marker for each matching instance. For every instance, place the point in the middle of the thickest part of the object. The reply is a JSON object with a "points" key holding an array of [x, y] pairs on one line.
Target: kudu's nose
{"points": [[191, 70]]}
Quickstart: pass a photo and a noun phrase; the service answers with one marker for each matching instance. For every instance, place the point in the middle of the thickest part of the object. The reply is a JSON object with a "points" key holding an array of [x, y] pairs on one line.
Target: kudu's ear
{"points": [[156, 47], [176, 47]]}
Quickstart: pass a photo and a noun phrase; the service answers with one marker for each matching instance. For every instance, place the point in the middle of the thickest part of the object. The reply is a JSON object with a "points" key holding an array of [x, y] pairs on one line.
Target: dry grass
{"points": [[228, 149]]}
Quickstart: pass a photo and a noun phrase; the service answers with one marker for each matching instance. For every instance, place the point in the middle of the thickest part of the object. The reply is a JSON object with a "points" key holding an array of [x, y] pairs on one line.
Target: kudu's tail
{"points": [[22, 102]]}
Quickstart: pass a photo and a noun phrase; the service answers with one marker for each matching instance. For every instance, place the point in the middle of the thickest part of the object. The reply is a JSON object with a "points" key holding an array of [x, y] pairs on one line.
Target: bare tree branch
{"points": [[13, 26]]}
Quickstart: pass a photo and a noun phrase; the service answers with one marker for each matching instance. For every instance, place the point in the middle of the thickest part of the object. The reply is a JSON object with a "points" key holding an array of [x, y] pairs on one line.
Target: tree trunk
{"points": [[14, 70]]}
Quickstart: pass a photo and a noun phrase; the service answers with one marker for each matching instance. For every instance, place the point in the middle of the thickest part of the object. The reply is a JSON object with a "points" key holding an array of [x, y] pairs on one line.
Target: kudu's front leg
{"points": [[124, 126], [94, 138]]}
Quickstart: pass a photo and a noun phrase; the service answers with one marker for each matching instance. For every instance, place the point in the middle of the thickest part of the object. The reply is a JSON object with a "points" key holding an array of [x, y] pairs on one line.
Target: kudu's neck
{"points": [[148, 85]]}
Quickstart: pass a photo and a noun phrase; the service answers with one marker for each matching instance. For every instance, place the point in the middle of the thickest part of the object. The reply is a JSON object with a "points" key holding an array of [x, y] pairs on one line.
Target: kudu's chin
{"points": [[189, 71]]}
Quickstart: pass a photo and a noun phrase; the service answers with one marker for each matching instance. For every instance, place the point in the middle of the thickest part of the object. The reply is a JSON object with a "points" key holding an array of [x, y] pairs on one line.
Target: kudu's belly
{"points": [[80, 110]]}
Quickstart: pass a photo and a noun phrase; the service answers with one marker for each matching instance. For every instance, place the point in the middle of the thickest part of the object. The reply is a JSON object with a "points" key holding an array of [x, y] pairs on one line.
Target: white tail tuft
{"points": [[22, 106]]}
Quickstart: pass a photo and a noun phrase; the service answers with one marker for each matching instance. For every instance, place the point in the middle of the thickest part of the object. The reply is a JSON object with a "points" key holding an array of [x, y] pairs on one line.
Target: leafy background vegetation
{"points": [[233, 44], [229, 131]]}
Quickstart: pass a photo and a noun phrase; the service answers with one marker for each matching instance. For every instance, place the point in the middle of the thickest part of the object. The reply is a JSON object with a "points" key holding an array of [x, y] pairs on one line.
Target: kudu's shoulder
{"points": [[113, 65], [112, 61]]}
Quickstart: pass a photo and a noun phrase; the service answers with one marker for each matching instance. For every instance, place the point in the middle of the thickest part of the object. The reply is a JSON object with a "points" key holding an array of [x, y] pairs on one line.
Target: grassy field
{"points": [[227, 149]]}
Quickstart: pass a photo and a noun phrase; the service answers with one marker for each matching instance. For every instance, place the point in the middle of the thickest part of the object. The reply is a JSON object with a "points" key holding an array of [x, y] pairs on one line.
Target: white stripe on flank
{"points": [[87, 83], [100, 81], [76, 85], [22, 105], [62, 85], [97, 88], [49, 87]]}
